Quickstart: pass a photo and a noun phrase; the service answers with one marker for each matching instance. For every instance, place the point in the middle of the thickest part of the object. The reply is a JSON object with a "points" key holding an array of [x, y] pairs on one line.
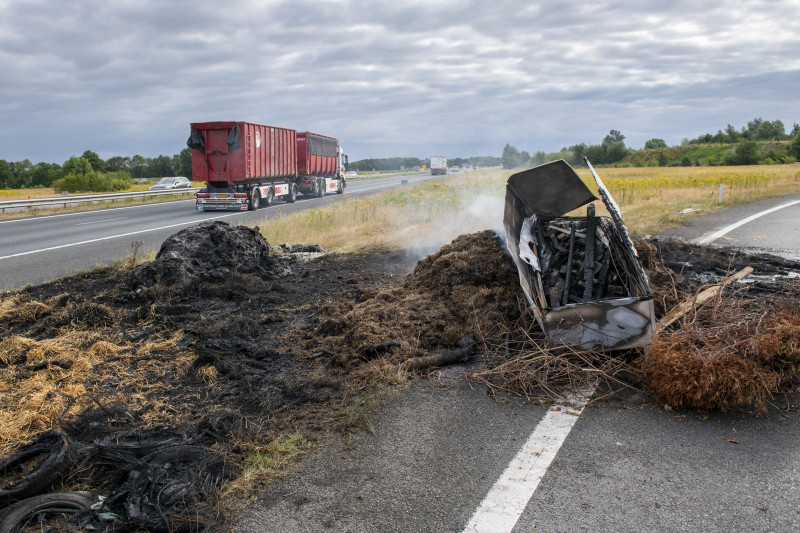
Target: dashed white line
{"points": [[100, 221], [508, 497], [727, 229]]}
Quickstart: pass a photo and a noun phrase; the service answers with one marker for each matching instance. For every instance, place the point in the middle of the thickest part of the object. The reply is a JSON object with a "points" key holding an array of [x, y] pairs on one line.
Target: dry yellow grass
{"points": [[652, 198], [436, 212]]}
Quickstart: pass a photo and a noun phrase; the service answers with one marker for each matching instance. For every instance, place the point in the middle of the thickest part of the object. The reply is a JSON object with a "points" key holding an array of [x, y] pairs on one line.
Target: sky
{"points": [[390, 78]]}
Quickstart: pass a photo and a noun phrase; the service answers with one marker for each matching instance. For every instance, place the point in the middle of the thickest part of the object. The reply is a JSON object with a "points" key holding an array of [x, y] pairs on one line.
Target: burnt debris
{"points": [[581, 275]]}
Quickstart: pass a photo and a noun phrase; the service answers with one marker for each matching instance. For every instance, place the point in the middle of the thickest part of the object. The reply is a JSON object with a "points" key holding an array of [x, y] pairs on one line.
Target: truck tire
{"points": [[32, 512], [255, 199], [270, 197], [292, 193], [340, 187], [320, 187], [50, 455]]}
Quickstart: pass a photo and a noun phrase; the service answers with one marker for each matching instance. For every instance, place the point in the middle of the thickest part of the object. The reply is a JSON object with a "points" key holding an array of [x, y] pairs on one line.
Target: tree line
{"points": [[756, 130], [406, 163], [760, 142], [89, 172]]}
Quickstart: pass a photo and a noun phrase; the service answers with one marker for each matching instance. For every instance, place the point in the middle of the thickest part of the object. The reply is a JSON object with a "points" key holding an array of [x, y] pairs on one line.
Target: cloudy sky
{"points": [[390, 78]]}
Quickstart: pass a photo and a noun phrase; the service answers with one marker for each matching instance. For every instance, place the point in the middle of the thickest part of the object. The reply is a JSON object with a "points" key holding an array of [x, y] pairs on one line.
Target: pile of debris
{"points": [[461, 294], [194, 345], [150, 385]]}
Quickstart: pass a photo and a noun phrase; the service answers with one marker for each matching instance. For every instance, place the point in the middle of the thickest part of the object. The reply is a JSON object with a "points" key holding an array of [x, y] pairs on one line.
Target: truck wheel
{"points": [[255, 199], [37, 511], [321, 187], [35, 467], [292, 193], [340, 188], [270, 197]]}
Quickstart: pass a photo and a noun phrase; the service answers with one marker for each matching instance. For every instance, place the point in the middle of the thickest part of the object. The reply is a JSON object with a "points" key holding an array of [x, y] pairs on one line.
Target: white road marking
{"points": [[727, 229], [508, 497], [115, 236], [100, 221], [28, 219]]}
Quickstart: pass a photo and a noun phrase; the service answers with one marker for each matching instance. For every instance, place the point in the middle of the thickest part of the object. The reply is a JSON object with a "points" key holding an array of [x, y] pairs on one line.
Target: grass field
{"points": [[652, 200], [435, 212]]}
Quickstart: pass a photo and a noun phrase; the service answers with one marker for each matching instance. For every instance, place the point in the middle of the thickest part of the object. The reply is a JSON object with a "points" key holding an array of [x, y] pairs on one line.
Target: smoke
{"points": [[479, 213]]}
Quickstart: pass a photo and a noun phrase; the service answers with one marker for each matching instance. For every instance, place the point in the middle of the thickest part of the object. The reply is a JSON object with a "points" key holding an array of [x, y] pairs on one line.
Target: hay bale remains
{"points": [[734, 352], [209, 251]]}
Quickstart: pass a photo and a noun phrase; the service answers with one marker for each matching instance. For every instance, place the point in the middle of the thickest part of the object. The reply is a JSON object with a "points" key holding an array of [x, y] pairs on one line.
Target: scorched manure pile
{"points": [[133, 397]]}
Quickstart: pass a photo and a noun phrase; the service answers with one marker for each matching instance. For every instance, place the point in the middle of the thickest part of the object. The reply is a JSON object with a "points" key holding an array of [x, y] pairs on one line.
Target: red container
{"points": [[242, 152], [316, 154]]}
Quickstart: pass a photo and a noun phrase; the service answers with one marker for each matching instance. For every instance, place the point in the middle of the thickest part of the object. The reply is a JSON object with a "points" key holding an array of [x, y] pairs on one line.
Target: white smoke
{"points": [[478, 214]]}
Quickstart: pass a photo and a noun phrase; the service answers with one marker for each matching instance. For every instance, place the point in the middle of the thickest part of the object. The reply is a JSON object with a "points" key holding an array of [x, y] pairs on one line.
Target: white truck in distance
{"points": [[438, 165]]}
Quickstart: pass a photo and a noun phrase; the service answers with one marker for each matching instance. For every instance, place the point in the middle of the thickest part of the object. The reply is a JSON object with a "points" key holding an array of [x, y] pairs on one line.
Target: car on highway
{"points": [[178, 182], [351, 174]]}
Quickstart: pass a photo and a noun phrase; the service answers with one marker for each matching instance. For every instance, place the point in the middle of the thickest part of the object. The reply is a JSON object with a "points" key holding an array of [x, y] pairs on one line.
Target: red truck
{"points": [[246, 166]]}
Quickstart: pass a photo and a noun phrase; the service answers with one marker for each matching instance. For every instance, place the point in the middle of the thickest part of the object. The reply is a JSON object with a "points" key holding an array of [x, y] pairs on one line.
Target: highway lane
{"points": [[39, 249]]}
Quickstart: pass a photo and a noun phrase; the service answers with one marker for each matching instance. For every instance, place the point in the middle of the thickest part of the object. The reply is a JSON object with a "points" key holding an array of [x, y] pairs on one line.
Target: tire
{"points": [[57, 451], [270, 197], [292, 193], [340, 188], [56, 505], [255, 199]]}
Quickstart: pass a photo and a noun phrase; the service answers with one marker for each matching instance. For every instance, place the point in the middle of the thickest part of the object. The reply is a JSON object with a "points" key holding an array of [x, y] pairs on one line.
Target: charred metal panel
{"points": [[581, 275]]}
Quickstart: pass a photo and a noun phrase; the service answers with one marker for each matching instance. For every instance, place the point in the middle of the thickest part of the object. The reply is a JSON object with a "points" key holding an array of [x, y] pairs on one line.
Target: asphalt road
{"points": [[439, 449], [39, 249]]}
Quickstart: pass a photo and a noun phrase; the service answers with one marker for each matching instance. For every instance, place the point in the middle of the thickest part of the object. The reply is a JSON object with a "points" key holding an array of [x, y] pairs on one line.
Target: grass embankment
{"points": [[435, 212]]}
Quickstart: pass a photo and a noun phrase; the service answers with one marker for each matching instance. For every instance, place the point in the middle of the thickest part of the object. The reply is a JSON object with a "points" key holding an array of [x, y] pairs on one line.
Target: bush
{"points": [[94, 182]]}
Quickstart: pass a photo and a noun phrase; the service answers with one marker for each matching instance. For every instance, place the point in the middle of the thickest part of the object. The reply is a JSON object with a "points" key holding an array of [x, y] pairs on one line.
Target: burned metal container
{"points": [[581, 275]]}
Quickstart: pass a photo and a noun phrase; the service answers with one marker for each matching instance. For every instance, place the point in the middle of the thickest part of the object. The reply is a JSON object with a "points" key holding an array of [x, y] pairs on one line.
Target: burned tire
{"points": [[35, 467], [292, 197], [59, 506], [255, 199]]}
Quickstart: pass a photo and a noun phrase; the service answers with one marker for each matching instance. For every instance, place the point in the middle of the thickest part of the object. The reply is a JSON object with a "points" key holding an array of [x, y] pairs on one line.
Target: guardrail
{"points": [[64, 201]]}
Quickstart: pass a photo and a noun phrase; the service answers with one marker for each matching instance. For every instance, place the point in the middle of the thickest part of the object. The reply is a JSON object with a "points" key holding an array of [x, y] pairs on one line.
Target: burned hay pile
{"points": [[740, 348], [466, 290], [192, 344]]}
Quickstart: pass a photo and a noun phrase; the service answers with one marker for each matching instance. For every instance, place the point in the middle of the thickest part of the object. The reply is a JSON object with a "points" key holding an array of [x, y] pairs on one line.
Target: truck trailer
{"points": [[438, 165], [246, 166]]}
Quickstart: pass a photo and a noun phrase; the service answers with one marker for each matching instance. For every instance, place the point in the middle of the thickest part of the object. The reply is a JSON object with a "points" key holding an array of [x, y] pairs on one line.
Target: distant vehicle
{"points": [[417, 169], [438, 165], [351, 174], [453, 170], [178, 182]]}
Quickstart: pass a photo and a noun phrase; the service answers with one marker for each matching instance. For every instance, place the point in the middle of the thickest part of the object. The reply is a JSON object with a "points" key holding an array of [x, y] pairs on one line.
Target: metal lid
{"points": [[550, 190]]}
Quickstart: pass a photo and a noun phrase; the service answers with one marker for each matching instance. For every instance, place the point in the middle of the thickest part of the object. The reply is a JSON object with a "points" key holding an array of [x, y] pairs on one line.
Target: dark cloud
{"points": [[457, 77]]}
